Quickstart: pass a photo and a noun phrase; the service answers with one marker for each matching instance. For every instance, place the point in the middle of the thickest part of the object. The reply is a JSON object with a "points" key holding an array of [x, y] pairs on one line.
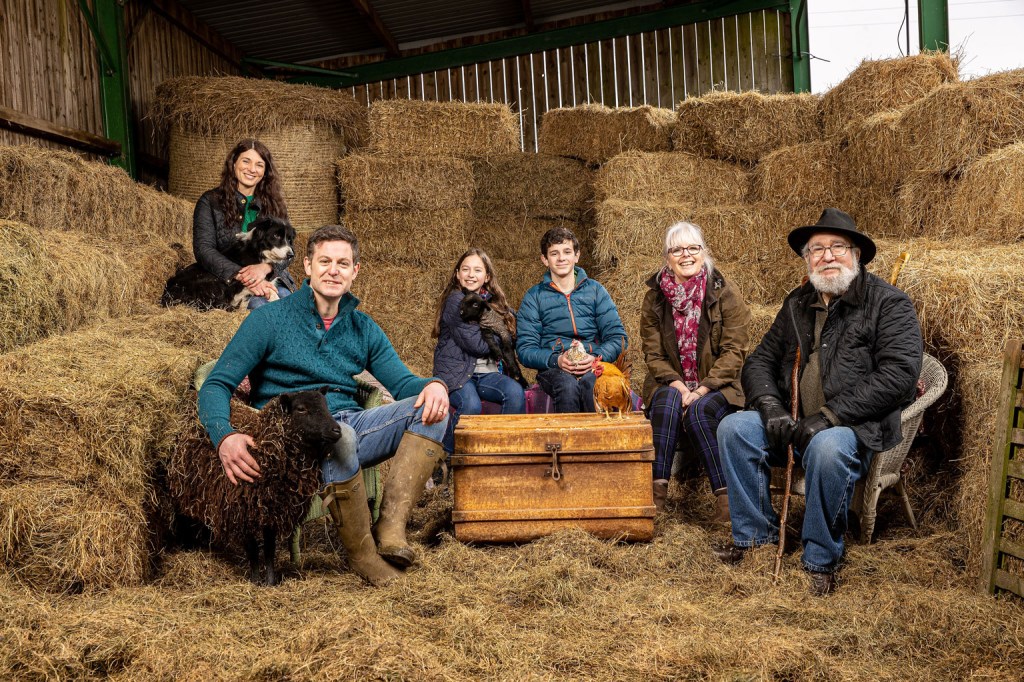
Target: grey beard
{"points": [[835, 286]]}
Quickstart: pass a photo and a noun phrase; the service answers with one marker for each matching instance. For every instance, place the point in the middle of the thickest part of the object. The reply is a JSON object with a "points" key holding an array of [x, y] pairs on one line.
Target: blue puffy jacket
{"points": [[549, 320]]}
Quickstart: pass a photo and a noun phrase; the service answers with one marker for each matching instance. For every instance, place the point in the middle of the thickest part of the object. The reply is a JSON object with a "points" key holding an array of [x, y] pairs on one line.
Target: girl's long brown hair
{"points": [[268, 192], [498, 301]]}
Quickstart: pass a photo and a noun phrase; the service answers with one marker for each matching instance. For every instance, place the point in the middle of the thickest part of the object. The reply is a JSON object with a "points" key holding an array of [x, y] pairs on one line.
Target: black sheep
{"points": [[495, 333], [293, 433]]}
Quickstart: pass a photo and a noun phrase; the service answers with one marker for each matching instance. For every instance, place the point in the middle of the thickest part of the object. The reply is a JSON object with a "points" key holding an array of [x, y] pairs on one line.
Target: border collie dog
{"points": [[269, 240]]}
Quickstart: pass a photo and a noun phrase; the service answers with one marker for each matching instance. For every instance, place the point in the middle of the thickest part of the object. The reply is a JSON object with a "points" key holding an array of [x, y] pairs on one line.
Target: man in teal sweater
{"points": [[315, 338]]}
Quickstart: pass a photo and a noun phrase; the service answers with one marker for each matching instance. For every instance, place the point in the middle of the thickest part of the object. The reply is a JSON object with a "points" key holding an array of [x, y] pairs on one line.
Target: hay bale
{"points": [[989, 198], [745, 126], [875, 208], [875, 152], [411, 237], [958, 122], [408, 126], [802, 180], [595, 133], [60, 191], [375, 181], [402, 299], [511, 236], [54, 282], [532, 185], [671, 177], [924, 204], [877, 86], [517, 276]]}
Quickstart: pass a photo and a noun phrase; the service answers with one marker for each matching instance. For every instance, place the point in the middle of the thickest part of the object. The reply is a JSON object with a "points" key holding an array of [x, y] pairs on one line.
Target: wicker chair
{"points": [[885, 469]]}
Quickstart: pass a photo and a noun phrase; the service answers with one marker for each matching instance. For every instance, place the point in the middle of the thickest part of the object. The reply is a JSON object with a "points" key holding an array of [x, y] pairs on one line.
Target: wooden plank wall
{"points": [[49, 68], [660, 68]]}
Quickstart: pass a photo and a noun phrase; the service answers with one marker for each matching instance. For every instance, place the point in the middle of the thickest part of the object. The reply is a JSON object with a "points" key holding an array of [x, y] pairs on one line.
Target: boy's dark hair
{"points": [[557, 235], [333, 233]]}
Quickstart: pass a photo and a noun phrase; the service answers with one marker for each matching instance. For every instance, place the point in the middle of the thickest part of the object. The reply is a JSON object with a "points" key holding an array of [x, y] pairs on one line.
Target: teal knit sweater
{"points": [[283, 347]]}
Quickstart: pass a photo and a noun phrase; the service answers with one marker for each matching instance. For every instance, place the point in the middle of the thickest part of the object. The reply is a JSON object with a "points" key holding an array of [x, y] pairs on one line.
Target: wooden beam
{"points": [[527, 15], [377, 26], [37, 127]]}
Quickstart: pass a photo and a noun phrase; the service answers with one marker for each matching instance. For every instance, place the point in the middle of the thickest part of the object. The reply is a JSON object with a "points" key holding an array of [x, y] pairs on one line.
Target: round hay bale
{"points": [[595, 133], [55, 282], [802, 180], [745, 126], [376, 181], [671, 177], [304, 154], [533, 185], [989, 198], [958, 122], [411, 237], [884, 84], [409, 126]]}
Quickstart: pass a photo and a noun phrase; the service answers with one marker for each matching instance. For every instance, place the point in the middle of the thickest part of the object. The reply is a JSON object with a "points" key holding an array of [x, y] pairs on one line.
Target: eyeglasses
{"points": [[678, 251], [838, 250]]}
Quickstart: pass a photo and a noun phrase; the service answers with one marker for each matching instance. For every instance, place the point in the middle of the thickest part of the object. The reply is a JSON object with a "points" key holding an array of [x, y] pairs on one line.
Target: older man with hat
{"points": [[860, 357]]}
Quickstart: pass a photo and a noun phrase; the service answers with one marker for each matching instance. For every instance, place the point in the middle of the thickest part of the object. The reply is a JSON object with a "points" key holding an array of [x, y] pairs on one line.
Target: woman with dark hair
{"points": [[249, 188], [695, 331], [461, 358]]}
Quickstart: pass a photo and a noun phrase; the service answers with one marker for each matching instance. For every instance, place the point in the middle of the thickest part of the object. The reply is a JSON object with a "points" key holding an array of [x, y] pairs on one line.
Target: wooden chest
{"points": [[520, 477]]}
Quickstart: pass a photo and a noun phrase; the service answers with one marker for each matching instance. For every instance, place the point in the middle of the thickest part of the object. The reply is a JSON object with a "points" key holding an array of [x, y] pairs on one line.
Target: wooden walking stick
{"points": [[793, 405]]}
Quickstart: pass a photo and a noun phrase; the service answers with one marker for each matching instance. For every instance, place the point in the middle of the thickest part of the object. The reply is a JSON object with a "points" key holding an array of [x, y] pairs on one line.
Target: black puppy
{"points": [[269, 240], [495, 333]]}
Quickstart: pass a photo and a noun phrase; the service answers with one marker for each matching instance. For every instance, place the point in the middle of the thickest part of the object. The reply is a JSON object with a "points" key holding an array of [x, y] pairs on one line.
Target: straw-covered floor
{"points": [[745, 126], [595, 133]]}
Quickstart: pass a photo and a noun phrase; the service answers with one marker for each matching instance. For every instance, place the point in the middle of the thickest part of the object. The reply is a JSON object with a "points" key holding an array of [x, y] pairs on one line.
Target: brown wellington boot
{"points": [[660, 487], [721, 517], [346, 502], [414, 461]]}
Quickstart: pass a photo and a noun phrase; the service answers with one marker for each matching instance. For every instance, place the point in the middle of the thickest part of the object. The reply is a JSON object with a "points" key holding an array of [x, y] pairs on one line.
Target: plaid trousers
{"points": [[699, 423]]}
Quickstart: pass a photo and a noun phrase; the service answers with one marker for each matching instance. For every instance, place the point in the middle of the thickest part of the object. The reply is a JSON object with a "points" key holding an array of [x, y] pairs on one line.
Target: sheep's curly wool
{"points": [[278, 499]]}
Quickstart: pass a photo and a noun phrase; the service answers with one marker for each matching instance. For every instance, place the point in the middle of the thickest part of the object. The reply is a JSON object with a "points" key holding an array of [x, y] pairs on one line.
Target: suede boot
{"points": [[346, 503], [721, 517], [660, 487], [414, 461]]}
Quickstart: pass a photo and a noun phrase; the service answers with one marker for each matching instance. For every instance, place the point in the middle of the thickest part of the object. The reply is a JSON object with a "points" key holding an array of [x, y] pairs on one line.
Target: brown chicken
{"points": [[611, 390]]}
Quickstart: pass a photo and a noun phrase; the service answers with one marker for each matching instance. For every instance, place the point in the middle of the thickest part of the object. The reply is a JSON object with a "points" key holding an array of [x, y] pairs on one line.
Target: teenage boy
{"points": [[567, 306]]}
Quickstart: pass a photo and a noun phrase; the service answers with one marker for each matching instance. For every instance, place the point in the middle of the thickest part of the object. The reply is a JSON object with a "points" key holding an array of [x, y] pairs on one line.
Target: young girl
{"points": [[461, 357], [249, 188]]}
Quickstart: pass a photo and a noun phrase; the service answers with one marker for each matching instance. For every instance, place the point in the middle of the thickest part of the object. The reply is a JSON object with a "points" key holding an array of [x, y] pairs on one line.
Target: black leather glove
{"points": [[777, 422], [807, 428]]}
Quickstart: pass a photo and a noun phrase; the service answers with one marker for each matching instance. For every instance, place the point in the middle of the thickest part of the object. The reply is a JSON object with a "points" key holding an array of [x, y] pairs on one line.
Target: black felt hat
{"points": [[835, 221]]}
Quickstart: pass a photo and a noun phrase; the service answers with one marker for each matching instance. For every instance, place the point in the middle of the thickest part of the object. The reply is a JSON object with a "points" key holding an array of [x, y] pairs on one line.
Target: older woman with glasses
{"points": [[694, 326]]}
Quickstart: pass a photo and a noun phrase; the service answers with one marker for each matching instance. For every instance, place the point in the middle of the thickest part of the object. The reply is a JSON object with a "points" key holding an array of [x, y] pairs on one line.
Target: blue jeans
{"points": [[494, 387], [832, 464], [256, 301], [371, 436], [568, 393]]}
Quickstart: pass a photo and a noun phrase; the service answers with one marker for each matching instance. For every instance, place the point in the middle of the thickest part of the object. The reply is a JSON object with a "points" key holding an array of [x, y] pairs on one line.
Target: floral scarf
{"points": [[686, 300]]}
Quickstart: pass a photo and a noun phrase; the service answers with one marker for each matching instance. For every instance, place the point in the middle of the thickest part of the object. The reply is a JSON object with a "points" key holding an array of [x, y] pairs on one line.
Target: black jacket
{"points": [[871, 353], [211, 237]]}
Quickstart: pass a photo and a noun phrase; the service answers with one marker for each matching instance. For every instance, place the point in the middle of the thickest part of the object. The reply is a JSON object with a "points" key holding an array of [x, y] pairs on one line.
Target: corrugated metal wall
{"points": [[660, 68]]}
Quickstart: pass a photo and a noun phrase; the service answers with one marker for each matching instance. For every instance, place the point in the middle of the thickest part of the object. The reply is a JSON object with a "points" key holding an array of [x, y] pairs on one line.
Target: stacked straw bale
{"points": [[801, 180], [958, 122], [924, 206], [595, 133], [512, 236], [83, 417], [989, 197], [60, 191], [532, 186], [405, 126], [745, 126], [878, 86], [53, 282], [305, 128], [671, 177]]}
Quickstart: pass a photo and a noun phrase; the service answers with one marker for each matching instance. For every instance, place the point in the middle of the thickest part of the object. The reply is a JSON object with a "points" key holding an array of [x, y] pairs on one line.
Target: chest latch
{"points": [[555, 470]]}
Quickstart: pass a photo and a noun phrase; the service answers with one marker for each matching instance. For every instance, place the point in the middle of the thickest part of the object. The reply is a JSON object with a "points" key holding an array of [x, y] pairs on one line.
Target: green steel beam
{"points": [[107, 26], [800, 45], [933, 24], [297, 67], [546, 40]]}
